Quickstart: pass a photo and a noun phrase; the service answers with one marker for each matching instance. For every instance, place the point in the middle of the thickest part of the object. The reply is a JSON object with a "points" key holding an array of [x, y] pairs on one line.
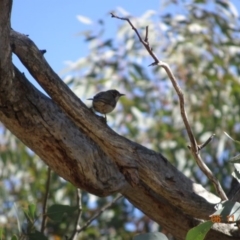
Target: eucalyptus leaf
{"points": [[199, 232], [31, 211], [231, 138], [14, 237], [57, 211]]}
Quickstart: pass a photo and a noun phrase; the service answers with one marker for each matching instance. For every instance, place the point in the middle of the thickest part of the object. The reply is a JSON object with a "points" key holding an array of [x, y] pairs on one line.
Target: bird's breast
{"points": [[102, 107]]}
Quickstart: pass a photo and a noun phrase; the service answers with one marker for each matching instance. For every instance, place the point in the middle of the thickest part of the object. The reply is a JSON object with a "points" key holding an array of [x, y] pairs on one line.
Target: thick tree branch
{"points": [[42, 126], [174, 220], [153, 168], [75, 144], [155, 171], [6, 73], [72, 105]]}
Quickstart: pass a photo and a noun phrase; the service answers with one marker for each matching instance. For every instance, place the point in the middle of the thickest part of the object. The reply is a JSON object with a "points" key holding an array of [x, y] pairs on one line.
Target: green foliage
{"points": [[37, 236], [30, 213], [1, 233], [14, 237], [57, 211], [199, 232]]}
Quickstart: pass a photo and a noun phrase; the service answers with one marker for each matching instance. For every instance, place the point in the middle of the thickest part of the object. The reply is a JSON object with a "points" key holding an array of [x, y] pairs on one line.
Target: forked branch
{"points": [[195, 149], [104, 208]]}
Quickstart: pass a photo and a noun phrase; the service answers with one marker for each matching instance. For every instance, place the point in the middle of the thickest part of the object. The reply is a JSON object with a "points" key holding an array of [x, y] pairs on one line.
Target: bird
{"points": [[104, 102]]}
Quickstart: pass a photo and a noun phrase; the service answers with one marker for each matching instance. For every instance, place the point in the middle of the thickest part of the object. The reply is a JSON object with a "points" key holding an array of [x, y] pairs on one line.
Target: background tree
{"points": [[201, 47]]}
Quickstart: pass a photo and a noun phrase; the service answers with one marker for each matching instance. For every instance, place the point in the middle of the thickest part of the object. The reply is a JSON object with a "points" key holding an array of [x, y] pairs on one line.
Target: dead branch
{"points": [[194, 147]]}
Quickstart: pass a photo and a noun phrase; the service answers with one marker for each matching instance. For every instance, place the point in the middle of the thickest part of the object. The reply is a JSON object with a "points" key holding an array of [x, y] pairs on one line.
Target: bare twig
{"points": [[194, 147], [207, 142], [77, 226], [172, 78], [108, 205], [146, 36], [203, 145], [47, 187], [145, 43]]}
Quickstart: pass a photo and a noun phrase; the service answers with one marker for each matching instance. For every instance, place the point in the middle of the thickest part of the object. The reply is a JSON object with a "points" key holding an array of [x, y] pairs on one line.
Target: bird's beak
{"points": [[121, 94]]}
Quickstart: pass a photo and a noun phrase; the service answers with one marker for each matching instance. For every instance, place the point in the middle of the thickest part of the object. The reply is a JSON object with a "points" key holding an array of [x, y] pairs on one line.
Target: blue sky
{"points": [[53, 24]]}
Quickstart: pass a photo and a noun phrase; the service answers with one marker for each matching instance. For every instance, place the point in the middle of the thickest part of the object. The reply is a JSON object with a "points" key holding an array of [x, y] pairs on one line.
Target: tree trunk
{"points": [[82, 149]]}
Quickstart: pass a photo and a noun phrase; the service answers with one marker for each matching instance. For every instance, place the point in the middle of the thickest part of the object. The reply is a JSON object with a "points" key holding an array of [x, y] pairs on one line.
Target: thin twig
{"points": [[108, 205], [172, 78], [146, 36], [203, 145], [194, 147], [77, 225], [145, 43], [47, 187], [207, 142]]}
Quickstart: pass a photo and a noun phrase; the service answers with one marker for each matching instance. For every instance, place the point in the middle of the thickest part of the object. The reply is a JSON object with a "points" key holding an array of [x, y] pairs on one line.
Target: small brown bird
{"points": [[105, 102]]}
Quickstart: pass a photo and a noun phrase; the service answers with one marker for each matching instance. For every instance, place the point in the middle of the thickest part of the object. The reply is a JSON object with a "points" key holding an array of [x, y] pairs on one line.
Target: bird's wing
{"points": [[105, 99]]}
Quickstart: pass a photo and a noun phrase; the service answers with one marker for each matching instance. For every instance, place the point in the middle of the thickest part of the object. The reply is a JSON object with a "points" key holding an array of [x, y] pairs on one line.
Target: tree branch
{"points": [[43, 127], [125, 153], [56, 140], [47, 187], [104, 208], [77, 226], [194, 146], [71, 142], [6, 72]]}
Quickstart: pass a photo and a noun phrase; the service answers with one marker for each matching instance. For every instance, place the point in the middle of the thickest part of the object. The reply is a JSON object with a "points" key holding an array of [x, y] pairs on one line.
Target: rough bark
{"points": [[81, 148]]}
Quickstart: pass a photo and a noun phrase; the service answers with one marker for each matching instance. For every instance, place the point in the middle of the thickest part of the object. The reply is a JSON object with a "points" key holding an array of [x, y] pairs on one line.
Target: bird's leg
{"points": [[103, 119]]}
